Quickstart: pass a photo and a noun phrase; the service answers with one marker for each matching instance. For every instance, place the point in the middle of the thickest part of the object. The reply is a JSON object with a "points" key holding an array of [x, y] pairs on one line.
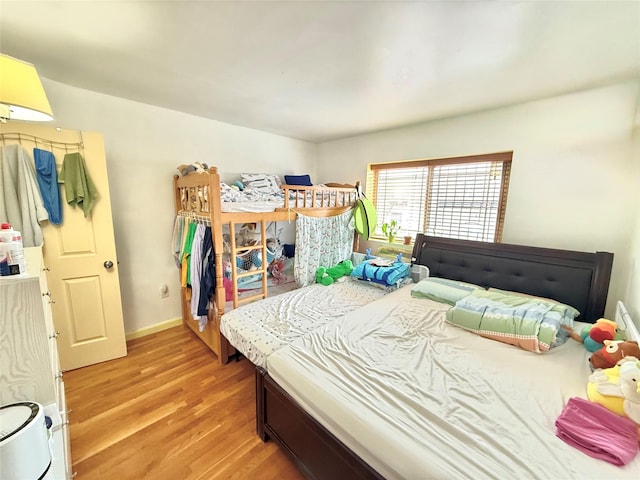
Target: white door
{"points": [[79, 254]]}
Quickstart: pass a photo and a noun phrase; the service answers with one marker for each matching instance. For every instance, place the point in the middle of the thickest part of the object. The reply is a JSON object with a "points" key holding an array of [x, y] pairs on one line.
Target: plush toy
{"points": [[327, 276], [618, 388], [612, 352], [247, 235], [192, 167], [593, 336]]}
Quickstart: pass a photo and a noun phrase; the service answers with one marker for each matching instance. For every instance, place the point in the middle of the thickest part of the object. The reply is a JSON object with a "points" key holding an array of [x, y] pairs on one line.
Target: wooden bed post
{"points": [[215, 207], [260, 405]]}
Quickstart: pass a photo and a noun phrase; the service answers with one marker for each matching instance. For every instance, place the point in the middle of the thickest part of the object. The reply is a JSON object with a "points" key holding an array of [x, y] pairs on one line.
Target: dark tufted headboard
{"points": [[578, 279]]}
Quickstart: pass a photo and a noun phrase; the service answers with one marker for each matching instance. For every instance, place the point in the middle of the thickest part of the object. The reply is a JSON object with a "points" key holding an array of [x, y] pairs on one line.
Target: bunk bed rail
{"points": [[299, 198]]}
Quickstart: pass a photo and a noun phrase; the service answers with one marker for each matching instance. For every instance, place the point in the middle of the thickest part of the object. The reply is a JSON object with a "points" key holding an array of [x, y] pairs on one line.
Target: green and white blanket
{"points": [[530, 323]]}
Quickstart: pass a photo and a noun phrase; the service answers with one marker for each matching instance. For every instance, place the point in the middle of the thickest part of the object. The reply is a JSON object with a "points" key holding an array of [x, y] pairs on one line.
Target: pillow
{"points": [[261, 182], [389, 275], [302, 180], [443, 290], [564, 310]]}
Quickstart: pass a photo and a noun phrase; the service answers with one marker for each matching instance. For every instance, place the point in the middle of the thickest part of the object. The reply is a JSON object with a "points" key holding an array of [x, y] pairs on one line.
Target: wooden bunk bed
{"points": [[198, 196]]}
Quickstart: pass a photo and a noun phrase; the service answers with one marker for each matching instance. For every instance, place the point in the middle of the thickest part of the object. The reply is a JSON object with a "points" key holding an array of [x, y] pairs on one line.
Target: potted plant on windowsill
{"points": [[390, 230]]}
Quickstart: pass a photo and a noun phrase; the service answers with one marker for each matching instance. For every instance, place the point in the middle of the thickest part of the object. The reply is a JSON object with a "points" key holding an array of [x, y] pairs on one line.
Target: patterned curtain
{"points": [[321, 242]]}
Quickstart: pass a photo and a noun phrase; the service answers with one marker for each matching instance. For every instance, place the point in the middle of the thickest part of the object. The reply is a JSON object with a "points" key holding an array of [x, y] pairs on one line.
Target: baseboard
{"points": [[158, 327]]}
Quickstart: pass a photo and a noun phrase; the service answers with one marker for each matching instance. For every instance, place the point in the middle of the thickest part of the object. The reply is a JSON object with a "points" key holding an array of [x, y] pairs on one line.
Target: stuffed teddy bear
{"points": [[327, 276], [618, 388], [612, 352]]}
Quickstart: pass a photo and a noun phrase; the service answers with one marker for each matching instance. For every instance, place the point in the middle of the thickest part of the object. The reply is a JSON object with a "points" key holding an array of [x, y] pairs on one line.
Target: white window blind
{"points": [[461, 197]]}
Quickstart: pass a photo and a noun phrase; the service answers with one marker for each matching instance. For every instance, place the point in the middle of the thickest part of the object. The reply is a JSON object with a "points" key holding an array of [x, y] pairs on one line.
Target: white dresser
{"points": [[29, 365]]}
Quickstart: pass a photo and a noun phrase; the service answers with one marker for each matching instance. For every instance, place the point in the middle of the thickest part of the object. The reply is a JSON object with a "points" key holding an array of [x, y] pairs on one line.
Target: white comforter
{"points": [[417, 398], [253, 200], [260, 328]]}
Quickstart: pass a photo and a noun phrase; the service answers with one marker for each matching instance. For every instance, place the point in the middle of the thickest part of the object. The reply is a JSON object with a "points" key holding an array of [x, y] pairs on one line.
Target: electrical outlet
{"points": [[164, 291]]}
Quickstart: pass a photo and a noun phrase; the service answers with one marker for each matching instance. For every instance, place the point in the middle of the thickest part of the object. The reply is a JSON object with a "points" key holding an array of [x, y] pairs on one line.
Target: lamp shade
{"points": [[22, 96]]}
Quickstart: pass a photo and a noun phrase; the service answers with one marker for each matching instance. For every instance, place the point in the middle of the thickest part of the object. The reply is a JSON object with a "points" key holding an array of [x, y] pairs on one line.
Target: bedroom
{"points": [[579, 145]]}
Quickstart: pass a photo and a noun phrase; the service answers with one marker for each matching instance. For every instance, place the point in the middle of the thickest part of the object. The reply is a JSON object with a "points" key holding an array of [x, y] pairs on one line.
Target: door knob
{"points": [[108, 264]]}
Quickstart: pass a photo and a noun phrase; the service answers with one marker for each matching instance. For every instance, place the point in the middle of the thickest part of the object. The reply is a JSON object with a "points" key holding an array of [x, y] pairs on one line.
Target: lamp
{"points": [[22, 96]]}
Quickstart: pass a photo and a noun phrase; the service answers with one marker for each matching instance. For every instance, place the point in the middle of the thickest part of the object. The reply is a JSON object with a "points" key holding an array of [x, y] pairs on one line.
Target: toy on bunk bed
{"points": [[192, 167], [252, 260]]}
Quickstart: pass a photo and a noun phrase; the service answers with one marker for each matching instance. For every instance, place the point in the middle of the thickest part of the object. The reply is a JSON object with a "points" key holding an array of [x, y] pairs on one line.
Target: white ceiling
{"points": [[320, 70]]}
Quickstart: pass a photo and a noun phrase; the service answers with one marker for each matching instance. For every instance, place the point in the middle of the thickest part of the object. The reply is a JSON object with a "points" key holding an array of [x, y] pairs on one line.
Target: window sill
{"points": [[391, 250]]}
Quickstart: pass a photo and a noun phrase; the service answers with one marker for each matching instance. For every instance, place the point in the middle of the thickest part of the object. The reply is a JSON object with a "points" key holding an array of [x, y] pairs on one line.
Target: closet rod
{"points": [[32, 138], [195, 216]]}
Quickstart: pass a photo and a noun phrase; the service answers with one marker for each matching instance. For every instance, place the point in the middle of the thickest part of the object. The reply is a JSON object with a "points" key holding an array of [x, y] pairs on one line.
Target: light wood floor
{"points": [[169, 411]]}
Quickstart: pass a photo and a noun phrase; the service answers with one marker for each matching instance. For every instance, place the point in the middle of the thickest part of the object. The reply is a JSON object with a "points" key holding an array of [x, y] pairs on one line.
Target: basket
{"points": [[249, 259]]}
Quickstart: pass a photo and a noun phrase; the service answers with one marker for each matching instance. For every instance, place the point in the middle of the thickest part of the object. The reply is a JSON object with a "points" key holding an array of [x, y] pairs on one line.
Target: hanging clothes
{"points": [[47, 175], [190, 232], [20, 200], [177, 237], [196, 274], [208, 279], [78, 187]]}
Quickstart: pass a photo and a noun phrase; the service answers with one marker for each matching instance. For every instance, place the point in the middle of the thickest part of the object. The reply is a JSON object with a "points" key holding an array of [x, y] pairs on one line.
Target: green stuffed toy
{"points": [[327, 276]]}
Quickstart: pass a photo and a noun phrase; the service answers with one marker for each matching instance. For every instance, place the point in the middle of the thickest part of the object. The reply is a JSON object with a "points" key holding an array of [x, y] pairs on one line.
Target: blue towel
{"points": [[47, 176]]}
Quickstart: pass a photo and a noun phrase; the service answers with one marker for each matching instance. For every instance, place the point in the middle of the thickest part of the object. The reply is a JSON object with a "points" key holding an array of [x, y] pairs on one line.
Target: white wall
{"points": [[572, 184], [144, 144], [590, 203], [632, 297]]}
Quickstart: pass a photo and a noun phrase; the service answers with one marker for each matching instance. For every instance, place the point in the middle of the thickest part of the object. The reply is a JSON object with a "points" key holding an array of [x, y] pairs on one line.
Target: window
{"points": [[463, 197]]}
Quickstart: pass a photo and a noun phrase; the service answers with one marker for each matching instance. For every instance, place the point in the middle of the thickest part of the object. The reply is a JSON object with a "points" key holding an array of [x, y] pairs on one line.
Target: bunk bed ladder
{"points": [[237, 251]]}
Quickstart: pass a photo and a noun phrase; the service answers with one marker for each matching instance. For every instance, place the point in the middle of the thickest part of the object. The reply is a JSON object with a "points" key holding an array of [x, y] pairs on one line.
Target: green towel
{"points": [[78, 187]]}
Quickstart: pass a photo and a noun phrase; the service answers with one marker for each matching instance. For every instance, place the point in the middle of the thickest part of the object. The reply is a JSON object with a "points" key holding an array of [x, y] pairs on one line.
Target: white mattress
{"points": [[258, 329], [417, 398]]}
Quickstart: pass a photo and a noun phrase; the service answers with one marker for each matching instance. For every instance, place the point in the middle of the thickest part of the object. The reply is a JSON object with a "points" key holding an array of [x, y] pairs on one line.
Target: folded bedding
{"points": [[596, 431], [530, 323], [258, 200], [381, 272]]}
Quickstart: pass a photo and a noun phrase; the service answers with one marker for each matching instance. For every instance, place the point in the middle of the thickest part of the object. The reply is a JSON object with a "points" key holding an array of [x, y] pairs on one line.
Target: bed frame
{"points": [[577, 278], [197, 195]]}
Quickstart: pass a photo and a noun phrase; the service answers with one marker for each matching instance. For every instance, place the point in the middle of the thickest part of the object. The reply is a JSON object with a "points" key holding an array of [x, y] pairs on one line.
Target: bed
{"points": [[198, 199], [258, 329], [434, 400]]}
